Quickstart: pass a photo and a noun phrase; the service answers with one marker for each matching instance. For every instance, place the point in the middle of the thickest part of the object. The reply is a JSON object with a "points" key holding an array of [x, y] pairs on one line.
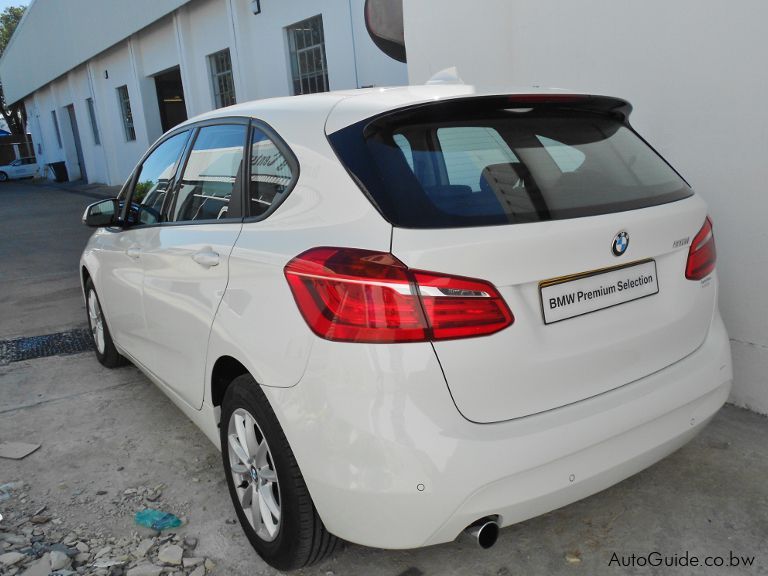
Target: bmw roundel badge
{"points": [[620, 243]]}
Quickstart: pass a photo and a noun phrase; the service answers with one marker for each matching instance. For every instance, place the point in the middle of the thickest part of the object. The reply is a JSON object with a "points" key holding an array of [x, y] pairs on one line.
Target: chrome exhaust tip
{"points": [[483, 533]]}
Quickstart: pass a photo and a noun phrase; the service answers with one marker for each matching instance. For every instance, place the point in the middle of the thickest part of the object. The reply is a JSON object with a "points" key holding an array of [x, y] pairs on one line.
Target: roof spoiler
{"points": [[605, 104], [617, 107]]}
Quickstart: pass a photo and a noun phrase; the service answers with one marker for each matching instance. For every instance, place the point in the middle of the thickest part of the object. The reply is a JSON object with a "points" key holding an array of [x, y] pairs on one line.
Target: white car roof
{"points": [[343, 108]]}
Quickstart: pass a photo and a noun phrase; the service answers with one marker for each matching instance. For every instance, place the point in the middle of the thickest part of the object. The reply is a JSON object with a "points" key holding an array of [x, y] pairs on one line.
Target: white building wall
{"points": [[71, 86], [185, 38], [374, 68], [112, 69], [60, 97], [60, 35], [264, 51], [212, 17], [353, 60], [95, 159], [33, 125], [39, 107], [155, 50], [157, 47], [694, 73], [72, 89]]}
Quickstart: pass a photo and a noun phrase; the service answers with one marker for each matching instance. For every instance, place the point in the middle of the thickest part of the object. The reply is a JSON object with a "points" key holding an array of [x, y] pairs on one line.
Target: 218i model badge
{"points": [[620, 243]]}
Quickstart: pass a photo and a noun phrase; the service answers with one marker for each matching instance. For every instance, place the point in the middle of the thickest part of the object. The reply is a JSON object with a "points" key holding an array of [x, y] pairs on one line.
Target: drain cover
{"points": [[31, 347]]}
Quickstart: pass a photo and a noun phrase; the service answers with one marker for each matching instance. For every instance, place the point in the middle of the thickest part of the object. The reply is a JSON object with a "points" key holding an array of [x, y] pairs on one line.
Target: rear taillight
{"points": [[354, 295], [702, 254], [458, 307]]}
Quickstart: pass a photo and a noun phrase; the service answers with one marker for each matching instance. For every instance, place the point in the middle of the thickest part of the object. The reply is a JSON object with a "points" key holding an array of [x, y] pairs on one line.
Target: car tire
{"points": [[3, 177], [299, 537], [103, 345]]}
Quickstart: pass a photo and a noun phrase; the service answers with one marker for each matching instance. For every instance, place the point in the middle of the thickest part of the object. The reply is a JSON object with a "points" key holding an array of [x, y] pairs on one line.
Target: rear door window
{"points": [[210, 187], [273, 172], [482, 161]]}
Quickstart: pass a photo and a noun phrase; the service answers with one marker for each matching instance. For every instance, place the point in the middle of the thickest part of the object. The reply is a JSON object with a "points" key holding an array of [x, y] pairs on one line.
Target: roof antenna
{"points": [[446, 76]]}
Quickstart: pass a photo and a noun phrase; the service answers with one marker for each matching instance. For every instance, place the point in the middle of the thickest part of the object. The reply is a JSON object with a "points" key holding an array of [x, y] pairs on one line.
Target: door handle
{"points": [[134, 252], [206, 258]]}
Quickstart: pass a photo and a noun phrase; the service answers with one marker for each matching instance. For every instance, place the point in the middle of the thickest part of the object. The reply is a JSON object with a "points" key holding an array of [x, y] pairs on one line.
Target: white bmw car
{"points": [[408, 313]]}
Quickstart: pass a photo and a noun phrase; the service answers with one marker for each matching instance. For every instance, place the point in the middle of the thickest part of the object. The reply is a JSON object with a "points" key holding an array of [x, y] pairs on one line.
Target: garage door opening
{"points": [[170, 98]]}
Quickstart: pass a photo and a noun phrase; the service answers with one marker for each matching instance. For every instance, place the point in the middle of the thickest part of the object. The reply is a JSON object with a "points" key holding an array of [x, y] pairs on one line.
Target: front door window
{"points": [[153, 181]]}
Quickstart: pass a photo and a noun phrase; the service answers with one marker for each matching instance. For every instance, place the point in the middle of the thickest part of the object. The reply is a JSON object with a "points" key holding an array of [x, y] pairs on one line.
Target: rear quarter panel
{"points": [[258, 322]]}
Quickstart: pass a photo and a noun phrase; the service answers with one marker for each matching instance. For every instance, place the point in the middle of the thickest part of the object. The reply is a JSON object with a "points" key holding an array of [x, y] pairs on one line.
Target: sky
{"points": [[5, 3]]}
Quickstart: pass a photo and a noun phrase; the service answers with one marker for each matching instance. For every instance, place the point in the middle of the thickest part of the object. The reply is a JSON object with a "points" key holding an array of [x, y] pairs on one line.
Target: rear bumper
{"points": [[391, 463]]}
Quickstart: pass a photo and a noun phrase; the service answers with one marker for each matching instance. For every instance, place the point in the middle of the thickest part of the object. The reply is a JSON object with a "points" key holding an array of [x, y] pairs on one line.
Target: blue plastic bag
{"points": [[157, 519]]}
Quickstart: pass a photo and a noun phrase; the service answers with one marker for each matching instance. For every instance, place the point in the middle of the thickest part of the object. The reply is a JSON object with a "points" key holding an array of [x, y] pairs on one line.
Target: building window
{"points": [[125, 111], [308, 66], [223, 82], [92, 116], [56, 127]]}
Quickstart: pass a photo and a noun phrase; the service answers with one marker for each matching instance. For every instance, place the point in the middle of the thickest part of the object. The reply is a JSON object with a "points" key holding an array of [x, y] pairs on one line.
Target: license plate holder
{"points": [[572, 296]]}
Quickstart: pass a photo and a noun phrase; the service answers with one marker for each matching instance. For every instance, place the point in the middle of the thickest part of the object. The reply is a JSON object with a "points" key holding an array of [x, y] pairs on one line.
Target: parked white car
{"points": [[406, 313], [19, 168]]}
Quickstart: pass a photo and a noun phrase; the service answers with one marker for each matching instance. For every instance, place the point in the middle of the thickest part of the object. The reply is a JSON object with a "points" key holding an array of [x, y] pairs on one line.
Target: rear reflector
{"points": [[353, 295], [702, 254]]}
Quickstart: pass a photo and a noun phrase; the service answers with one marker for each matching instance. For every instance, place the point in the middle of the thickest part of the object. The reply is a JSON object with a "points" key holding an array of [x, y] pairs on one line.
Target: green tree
{"points": [[15, 114]]}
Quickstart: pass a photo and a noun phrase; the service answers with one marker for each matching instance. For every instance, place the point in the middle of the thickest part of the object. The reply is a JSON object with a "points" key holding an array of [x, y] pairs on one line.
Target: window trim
{"points": [[193, 128], [293, 162], [176, 184]]}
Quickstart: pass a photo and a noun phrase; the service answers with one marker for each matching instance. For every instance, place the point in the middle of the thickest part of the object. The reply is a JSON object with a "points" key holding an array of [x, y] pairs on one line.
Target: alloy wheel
{"points": [[96, 321], [254, 474]]}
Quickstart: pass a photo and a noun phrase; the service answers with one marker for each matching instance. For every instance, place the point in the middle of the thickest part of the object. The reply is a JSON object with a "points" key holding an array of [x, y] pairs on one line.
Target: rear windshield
{"points": [[488, 162]]}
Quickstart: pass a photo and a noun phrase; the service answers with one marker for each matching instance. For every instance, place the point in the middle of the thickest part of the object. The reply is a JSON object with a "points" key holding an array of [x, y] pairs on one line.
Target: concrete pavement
{"points": [[105, 431], [40, 244]]}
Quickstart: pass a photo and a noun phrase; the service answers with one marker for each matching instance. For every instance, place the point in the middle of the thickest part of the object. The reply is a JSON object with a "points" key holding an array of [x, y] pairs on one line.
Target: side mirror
{"points": [[101, 213]]}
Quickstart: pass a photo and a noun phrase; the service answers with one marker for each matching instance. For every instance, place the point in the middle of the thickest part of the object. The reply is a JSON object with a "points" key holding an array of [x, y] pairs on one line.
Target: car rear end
{"points": [[544, 325]]}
